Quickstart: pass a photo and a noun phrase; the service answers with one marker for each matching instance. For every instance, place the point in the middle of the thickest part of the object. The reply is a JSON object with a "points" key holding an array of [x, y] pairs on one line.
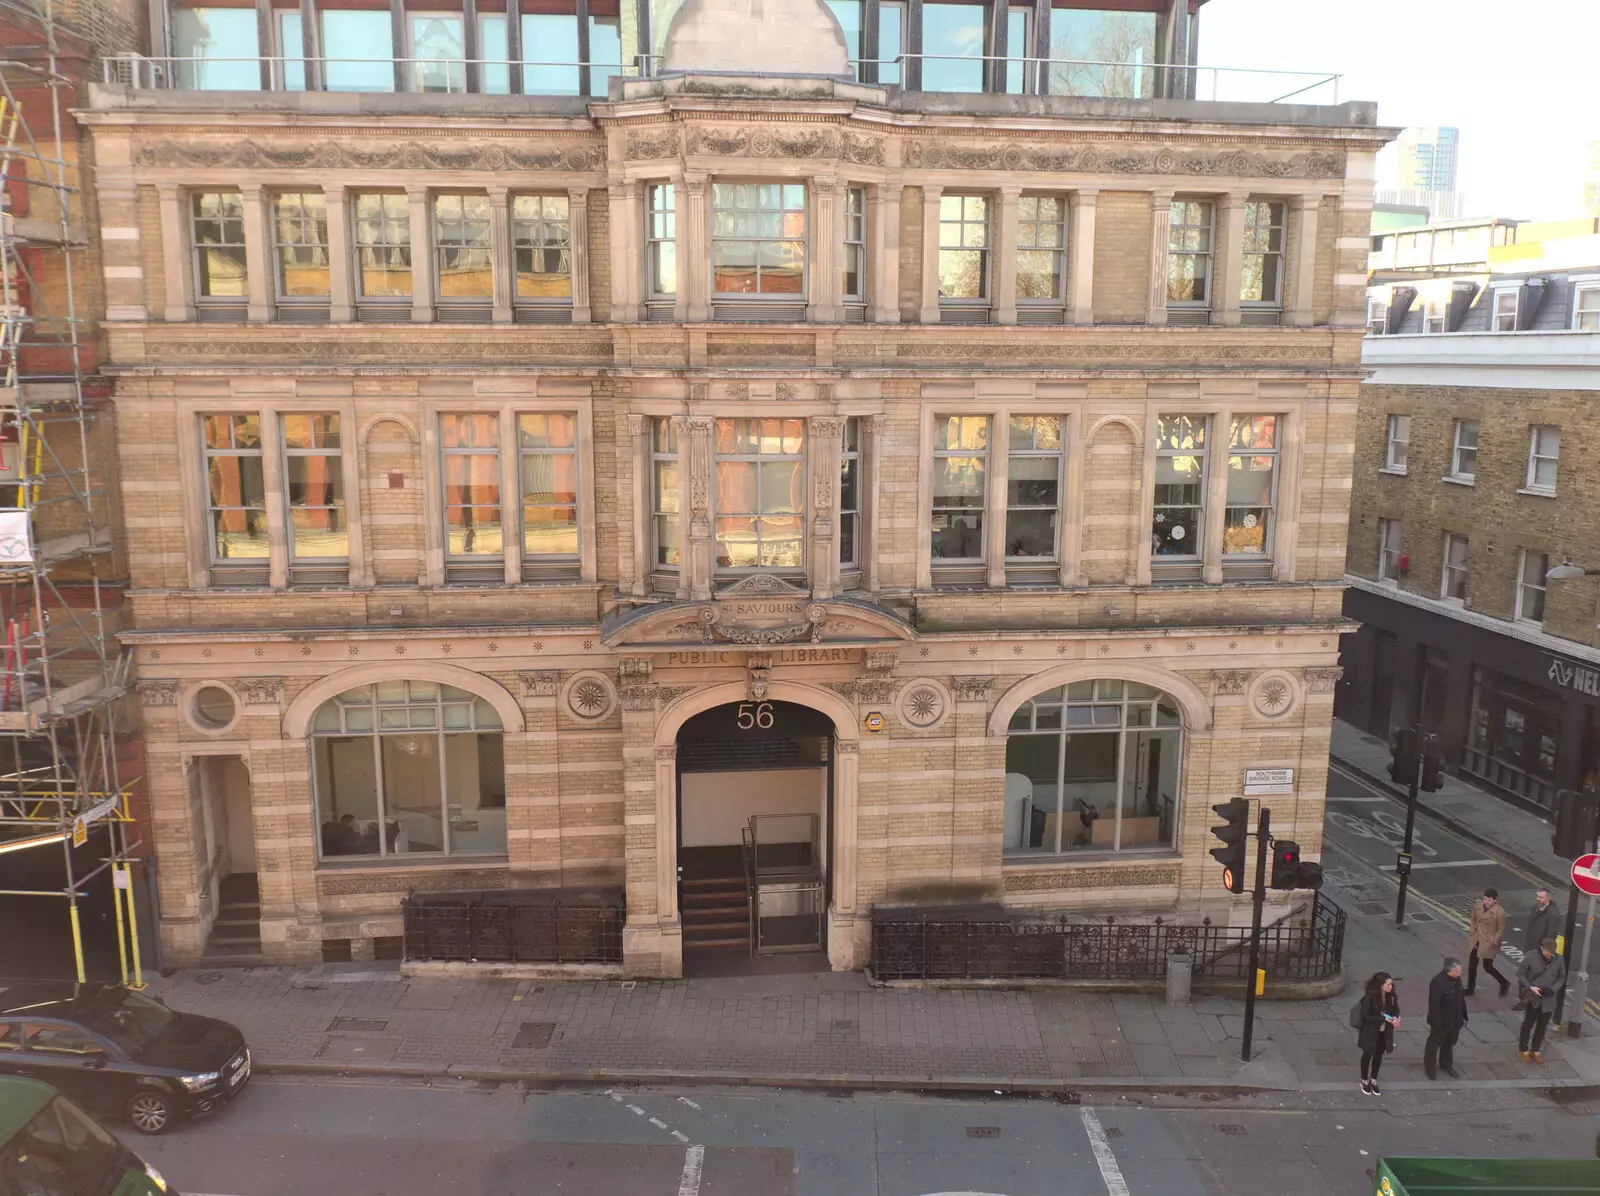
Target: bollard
{"points": [[1180, 970]]}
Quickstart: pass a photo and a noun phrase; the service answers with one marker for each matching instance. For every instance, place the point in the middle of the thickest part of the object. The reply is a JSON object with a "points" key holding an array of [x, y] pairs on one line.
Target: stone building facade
{"points": [[1050, 546]]}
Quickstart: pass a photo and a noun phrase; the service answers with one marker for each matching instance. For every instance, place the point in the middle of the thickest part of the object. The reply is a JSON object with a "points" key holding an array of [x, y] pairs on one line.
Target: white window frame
{"points": [[1377, 317], [957, 227], [1586, 307], [454, 235], [215, 557], [1535, 457], [1451, 575], [1269, 509], [1433, 316], [1059, 456], [472, 559], [1031, 245], [855, 244], [1397, 435], [1389, 554], [304, 226], [1526, 587], [1457, 447], [664, 447], [198, 247], [661, 229], [1498, 304], [728, 187], [1202, 423], [1203, 255], [1275, 229], [522, 241]]}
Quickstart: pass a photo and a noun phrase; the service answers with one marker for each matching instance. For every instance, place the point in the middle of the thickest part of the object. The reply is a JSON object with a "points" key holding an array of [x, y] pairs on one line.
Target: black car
{"points": [[120, 1052]]}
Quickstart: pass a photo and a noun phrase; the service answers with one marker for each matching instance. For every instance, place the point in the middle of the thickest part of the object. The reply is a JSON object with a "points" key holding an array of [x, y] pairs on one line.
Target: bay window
{"points": [[758, 240], [1252, 486], [474, 542], [760, 472], [1179, 509], [960, 487]]}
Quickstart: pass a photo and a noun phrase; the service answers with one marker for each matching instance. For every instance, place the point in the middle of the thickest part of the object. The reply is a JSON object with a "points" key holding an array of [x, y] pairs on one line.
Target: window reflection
{"points": [[359, 50], [438, 51], [1084, 41], [760, 493], [550, 50], [952, 33], [214, 41]]}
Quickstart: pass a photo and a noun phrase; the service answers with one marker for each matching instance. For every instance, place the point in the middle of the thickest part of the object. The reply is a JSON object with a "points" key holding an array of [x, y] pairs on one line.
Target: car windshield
{"points": [[62, 1152], [132, 1023]]}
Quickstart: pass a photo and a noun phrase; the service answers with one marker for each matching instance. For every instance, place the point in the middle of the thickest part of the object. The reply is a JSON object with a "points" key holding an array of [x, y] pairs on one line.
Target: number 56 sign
{"points": [[753, 715]]}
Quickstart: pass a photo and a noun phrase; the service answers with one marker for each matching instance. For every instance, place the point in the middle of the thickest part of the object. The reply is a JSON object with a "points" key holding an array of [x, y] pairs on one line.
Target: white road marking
{"points": [[1371, 801], [684, 1100], [680, 1136], [1103, 1157], [658, 1123], [1446, 864], [636, 1109], [616, 1096], [694, 1161]]}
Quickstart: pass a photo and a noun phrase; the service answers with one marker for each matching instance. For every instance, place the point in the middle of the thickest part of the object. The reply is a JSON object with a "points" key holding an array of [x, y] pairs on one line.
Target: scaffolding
{"points": [[62, 676]]}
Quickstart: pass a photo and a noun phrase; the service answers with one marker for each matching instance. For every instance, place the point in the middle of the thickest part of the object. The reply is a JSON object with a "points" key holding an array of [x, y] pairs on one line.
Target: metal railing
{"points": [[929, 947], [514, 926], [1019, 75]]}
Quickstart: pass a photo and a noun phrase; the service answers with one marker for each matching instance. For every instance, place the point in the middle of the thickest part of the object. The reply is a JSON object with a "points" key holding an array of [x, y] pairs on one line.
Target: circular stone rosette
{"points": [[1274, 695], [923, 704], [589, 696]]}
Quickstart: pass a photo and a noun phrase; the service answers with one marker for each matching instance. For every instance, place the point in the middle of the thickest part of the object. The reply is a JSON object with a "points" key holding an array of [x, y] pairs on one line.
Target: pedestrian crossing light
{"points": [[1285, 864], [1234, 833]]}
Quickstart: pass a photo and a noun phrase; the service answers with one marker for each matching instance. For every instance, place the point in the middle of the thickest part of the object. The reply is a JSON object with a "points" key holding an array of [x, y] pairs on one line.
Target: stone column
{"points": [[693, 255], [421, 228], [175, 255], [883, 224], [273, 483], [1217, 437], [994, 538], [931, 195], [1229, 256], [511, 496], [1160, 234], [824, 454], [652, 938], [1004, 299], [578, 210], [1080, 257], [1073, 428], [502, 258], [827, 237], [628, 266], [695, 564], [257, 234], [848, 943], [1303, 261], [340, 259]]}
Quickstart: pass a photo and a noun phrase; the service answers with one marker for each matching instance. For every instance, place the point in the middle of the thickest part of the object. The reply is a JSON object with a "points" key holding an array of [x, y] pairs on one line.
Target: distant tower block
{"points": [[787, 37]]}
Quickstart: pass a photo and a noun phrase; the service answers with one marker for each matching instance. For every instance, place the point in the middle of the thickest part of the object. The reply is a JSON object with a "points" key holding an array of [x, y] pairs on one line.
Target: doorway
{"points": [[219, 792], [755, 811]]}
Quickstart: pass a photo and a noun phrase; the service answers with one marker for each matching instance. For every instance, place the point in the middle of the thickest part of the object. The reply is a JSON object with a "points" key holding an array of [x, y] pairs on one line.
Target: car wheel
{"points": [[151, 1112]]}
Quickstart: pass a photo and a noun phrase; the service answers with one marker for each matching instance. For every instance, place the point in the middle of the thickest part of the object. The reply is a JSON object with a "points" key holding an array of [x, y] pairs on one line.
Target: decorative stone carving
{"points": [[637, 698], [866, 691], [650, 143], [738, 391], [637, 425], [788, 392], [666, 751], [541, 684], [764, 585], [973, 689], [880, 661], [259, 691], [266, 153], [778, 142], [698, 392], [634, 667], [589, 696], [1119, 158], [1273, 694], [863, 151], [157, 693], [713, 630], [1032, 881], [1322, 681], [1229, 682], [759, 679], [1071, 350], [846, 747], [671, 693], [923, 705], [428, 351]]}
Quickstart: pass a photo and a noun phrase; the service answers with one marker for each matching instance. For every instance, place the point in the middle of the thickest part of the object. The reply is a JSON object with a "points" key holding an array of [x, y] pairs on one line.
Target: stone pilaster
{"points": [[1160, 237]]}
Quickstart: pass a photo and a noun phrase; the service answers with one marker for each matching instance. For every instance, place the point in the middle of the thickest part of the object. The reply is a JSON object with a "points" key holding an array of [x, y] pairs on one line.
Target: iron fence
{"points": [[514, 927], [930, 947]]}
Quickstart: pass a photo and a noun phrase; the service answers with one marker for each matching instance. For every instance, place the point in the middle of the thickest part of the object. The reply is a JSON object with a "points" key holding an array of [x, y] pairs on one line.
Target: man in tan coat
{"points": [[1484, 932]]}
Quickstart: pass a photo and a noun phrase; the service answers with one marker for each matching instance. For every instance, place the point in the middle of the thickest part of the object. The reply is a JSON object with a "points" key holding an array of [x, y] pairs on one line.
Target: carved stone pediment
{"points": [[759, 618], [762, 585]]}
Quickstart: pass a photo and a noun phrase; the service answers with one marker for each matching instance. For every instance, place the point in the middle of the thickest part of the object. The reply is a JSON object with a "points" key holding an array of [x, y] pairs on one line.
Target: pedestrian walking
{"points": [[1379, 1014], [1484, 932], [1447, 1013], [1545, 975], [1542, 923]]}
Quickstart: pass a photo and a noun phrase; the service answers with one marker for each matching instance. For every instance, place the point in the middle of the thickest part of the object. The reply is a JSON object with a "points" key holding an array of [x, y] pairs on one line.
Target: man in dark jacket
{"points": [[1544, 922], [1544, 973], [1447, 1013]]}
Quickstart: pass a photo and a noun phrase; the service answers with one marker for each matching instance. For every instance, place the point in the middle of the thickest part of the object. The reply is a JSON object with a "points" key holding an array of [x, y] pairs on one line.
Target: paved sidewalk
{"points": [[1494, 823]]}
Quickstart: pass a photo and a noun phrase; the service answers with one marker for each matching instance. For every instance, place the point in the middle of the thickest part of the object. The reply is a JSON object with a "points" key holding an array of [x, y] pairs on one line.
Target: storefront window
{"points": [[1092, 766], [408, 768], [1512, 736]]}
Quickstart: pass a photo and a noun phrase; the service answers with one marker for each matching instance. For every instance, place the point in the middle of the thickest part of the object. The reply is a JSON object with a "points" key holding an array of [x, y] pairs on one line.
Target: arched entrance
{"points": [[755, 820]]}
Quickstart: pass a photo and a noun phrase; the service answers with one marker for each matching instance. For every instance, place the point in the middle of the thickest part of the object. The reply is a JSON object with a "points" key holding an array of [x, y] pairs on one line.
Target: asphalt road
{"points": [[1448, 874], [347, 1137]]}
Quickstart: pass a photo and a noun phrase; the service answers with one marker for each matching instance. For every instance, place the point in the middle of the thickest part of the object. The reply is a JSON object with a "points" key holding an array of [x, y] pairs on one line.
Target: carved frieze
{"points": [[713, 630], [258, 154], [868, 690], [638, 697], [760, 142], [953, 347], [354, 348], [940, 154], [973, 689], [157, 693], [1322, 681], [540, 684], [634, 668], [645, 144], [1033, 881], [259, 691], [1229, 682], [880, 661]]}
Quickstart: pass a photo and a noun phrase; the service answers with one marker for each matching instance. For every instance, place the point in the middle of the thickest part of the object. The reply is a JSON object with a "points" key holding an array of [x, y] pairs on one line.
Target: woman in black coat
{"points": [[1380, 1014]]}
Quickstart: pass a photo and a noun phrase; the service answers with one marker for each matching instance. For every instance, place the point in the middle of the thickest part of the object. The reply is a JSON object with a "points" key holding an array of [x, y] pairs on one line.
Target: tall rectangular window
{"points": [[1018, 50], [549, 45], [383, 244], [758, 239], [661, 240], [300, 244], [1433, 316], [472, 519], [1453, 577], [963, 246], [548, 444], [1503, 315], [855, 245], [1544, 455], [438, 55], [495, 77], [1041, 249], [850, 495], [605, 47], [1033, 487], [216, 48], [1531, 569], [1464, 450], [1377, 317], [358, 49], [1261, 279], [1586, 309], [953, 46], [461, 252], [1397, 444], [1389, 550], [236, 489], [760, 493], [1189, 253], [960, 486], [219, 260], [541, 239], [314, 482], [1252, 486], [891, 42], [1180, 485], [664, 493], [291, 67]]}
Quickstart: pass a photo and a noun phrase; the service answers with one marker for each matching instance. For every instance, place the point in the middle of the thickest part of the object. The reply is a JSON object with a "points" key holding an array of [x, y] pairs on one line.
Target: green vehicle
{"points": [[50, 1147], [1487, 1177]]}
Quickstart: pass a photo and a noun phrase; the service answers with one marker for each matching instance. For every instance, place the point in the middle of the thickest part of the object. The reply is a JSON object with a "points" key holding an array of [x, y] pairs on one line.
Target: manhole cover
{"points": [[533, 1036], [358, 1025], [983, 1131], [208, 977], [1233, 1131], [1421, 918]]}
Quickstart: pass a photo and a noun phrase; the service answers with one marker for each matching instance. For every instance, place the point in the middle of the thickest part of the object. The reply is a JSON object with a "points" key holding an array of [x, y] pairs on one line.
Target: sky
{"points": [[1517, 78]]}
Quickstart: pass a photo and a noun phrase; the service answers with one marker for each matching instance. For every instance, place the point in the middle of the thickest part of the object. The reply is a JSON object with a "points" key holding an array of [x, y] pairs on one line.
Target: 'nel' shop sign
{"points": [[1574, 676]]}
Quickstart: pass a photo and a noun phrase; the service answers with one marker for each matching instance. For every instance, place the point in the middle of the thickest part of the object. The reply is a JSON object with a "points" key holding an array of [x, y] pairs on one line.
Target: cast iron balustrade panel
{"points": [[533, 926]]}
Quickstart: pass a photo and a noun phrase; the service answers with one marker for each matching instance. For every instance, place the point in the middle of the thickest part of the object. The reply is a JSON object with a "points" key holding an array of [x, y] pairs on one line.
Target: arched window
{"points": [[405, 768], [1092, 766]]}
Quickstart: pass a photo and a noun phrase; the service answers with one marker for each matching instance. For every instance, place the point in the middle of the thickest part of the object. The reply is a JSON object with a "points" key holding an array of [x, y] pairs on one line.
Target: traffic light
{"points": [[1403, 760], [1234, 833], [1575, 822], [1432, 763], [1310, 875], [1285, 864]]}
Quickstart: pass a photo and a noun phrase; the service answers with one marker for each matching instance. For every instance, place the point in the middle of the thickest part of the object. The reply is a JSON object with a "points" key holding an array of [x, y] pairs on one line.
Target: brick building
{"points": [[509, 477], [1466, 495]]}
